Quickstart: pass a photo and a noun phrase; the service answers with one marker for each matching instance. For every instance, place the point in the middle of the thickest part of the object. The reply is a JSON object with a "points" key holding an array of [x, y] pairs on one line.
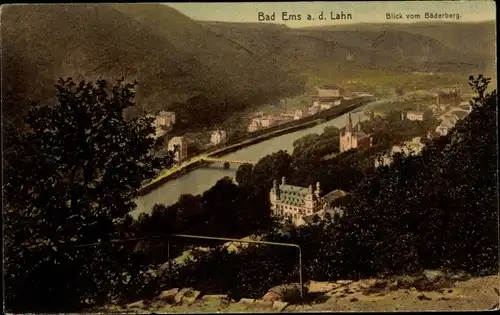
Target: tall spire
{"points": [[359, 123], [348, 128]]}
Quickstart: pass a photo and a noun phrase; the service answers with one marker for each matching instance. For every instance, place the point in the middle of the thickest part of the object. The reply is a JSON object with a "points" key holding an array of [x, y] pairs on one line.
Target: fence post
{"points": [[300, 274], [169, 263]]}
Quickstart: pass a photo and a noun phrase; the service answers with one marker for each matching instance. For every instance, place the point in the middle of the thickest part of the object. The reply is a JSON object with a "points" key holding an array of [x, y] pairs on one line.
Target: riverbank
{"points": [[199, 180], [197, 161]]}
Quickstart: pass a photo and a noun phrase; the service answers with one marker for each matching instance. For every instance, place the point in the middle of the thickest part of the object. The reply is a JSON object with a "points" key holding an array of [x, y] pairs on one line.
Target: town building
{"points": [[164, 119], [254, 125], [351, 138], [264, 122], [326, 105], [436, 109], [447, 123], [412, 147], [298, 114], [448, 98], [313, 110], [179, 145], [286, 115], [267, 121], [415, 115], [218, 137], [294, 202], [330, 91]]}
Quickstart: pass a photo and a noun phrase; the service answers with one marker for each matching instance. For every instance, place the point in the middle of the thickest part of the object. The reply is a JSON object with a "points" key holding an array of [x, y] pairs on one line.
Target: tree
{"points": [[70, 180], [271, 167], [244, 174]]}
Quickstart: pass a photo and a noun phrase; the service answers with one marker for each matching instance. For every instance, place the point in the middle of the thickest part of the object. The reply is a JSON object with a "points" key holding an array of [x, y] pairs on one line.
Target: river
{"points": [[202, 179]]}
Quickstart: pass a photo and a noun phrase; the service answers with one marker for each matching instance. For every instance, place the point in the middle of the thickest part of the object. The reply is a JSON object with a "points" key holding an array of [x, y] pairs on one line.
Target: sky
{"points": [[361, 12]]}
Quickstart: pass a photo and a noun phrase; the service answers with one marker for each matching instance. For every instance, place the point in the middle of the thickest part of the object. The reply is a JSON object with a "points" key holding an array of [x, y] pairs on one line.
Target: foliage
{"points": [[317, 145], [70, 180], [435, 210]]}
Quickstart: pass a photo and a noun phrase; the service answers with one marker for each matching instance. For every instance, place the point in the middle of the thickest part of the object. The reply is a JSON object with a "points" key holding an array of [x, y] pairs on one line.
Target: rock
{"points": [[271, 296], [459, 276], [180, 294], [190, 296], [138, 304], [279, 306], [169, 295], [285, 293], [247, 301], [344, 281], [433, 275], [264, 303]]}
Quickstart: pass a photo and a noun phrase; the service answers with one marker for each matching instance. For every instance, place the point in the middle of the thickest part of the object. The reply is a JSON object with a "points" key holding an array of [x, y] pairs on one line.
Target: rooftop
{"points": [[329, 87], [293, 195], [334, 194], [361, 134]]}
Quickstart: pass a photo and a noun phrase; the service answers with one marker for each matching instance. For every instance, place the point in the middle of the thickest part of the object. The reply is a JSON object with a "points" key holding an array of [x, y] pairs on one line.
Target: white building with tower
{"points": [[353, 137], [294, 202]]}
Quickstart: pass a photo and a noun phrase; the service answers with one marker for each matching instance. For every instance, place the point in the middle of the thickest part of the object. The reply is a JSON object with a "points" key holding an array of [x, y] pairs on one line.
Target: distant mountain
{"points": [[173, 57], [208, 70], [417, 46]]}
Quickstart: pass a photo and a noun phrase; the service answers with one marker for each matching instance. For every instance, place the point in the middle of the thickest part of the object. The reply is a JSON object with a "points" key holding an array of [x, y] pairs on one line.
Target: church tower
{"points": [[345, 138], [348, 128]]}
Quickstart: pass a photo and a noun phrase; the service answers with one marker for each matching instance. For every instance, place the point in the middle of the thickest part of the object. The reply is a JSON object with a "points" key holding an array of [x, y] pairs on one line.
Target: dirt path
{"points": [[473, 294], [341, 296]]}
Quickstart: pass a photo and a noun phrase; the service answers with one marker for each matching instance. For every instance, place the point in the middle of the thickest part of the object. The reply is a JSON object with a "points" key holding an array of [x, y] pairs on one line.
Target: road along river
{"points": [[202, 179]]}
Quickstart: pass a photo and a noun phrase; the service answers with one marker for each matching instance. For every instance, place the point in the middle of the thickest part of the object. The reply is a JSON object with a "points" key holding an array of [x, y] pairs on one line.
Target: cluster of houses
{"points": [[327, 97], [412, 147], [302, 204]]}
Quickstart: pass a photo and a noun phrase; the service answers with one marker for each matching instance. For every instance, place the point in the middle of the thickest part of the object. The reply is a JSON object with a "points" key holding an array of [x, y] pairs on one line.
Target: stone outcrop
{"points": [[285, 293], [169, 295], [190, 296]]}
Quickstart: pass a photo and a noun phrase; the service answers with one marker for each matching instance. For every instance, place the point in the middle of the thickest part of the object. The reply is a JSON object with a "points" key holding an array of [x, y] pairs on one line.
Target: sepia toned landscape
{"points": [[171, 158]]}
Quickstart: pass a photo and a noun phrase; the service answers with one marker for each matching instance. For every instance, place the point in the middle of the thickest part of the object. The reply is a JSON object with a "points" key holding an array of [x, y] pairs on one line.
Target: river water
{"points": [[202, 179]]}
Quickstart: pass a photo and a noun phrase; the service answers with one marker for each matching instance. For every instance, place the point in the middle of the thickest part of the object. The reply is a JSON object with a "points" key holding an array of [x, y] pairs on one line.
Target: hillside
{"points": [[213, 69], [436, 47], [173, 57], [475, 40]]}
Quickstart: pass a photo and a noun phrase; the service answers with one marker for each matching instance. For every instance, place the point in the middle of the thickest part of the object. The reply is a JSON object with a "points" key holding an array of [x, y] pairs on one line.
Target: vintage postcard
{"points": [[250, 157]]}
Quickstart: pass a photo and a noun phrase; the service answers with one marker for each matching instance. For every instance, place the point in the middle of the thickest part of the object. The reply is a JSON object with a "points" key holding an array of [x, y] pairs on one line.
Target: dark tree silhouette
{"points": [[70, 180]]}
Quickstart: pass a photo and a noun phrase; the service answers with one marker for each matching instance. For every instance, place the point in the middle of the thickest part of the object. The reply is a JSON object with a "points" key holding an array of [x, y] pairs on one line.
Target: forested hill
{"points": [[208, 70], [417, 46], [173, 57]]}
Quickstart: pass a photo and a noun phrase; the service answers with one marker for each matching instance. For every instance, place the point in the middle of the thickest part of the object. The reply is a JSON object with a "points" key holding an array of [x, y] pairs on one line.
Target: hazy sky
{"points": [[362, 12]]}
